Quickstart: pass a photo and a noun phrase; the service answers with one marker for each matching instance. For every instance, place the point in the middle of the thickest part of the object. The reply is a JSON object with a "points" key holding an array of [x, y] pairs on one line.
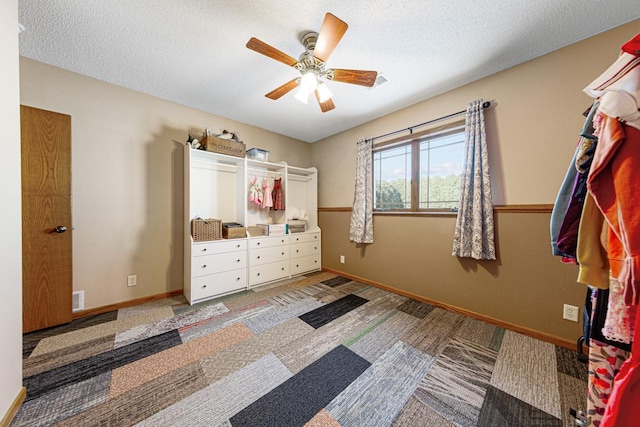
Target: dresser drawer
{"points": [[211, 264], [218, 247], [268, 272], [216, 284], [267, 242], [305, 249], [305, 264], [268, 255], [305, 237]]}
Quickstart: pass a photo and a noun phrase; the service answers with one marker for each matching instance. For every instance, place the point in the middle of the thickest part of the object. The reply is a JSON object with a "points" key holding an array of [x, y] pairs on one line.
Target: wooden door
{"points": [[46, 218]]}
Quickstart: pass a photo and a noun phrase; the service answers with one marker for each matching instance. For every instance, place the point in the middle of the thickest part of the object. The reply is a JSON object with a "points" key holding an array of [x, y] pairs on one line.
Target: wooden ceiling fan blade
{"points": [[325, 106], [330, 34], [270, 51], [355, 77], [284, 89]]}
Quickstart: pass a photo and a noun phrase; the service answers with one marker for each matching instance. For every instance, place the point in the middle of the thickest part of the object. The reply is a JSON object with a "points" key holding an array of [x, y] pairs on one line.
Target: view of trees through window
{"points": [[438, 168]]}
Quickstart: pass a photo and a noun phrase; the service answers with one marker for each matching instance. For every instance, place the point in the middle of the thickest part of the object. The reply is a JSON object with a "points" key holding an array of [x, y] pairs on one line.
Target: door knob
{"points": [[60, 229]]}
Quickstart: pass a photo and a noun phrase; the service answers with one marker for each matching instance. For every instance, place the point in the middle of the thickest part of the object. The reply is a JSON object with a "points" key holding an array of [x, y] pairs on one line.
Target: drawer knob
{"points": [[282, 253], [258, 256], [237, 246], [204, 266], [237, 260], [297, 251], [316, 261], [204, 249], [258, 244], [282, 268], [297, 265], [282, 240], [258, 274], [204, 286], [237, 279], [315, 247]]}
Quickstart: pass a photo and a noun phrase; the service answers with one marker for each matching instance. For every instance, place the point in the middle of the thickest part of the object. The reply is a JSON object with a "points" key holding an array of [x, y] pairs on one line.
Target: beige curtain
{"points": [[361, 227], [474, 234]]}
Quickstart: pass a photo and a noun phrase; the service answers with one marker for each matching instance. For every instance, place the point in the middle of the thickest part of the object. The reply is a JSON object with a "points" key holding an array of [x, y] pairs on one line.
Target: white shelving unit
{"points": [[216, 186]]}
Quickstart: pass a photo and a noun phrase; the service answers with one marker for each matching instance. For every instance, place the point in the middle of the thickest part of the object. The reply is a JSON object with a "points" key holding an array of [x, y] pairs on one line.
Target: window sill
{"points": [[416, 214]]}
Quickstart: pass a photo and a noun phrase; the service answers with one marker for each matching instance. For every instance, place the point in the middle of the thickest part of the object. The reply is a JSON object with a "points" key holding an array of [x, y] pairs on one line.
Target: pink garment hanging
{"points": [[267, 200]]}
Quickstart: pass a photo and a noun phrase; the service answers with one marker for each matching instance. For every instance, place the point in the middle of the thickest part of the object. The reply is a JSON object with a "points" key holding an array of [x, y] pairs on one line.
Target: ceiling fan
{"points": [[312, 64]]}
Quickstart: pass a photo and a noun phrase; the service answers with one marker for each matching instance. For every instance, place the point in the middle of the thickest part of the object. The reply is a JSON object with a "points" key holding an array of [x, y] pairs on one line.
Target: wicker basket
{"points": [[206, 229]]}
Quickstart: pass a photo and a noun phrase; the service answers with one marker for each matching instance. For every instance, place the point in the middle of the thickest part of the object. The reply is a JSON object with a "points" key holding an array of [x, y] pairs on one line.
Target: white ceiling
{"points": [[193, 52]]}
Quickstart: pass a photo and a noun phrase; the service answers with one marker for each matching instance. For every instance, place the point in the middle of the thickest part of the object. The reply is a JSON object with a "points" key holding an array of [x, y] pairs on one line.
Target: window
{"points": [[419, 174]]}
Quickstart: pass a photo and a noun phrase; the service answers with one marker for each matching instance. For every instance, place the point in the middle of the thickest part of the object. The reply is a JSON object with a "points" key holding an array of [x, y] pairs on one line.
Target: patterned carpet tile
{"points": [[416, 413], [216, 403], [329, 295], [569, 364], [38, 364], [299, 353], [161, 326], [64, 402], [474, 330], [224, 320], [573, 394], [297, 400], [295, 295], [500, 409], [31, 340], [271, 318], [151, 305], [142, 402], [416, 308], [322, 419], [496, 339], [372, 293], [325, 314], [186, 307], [336, 281], [144, 370], [255, 297], [378, 395], [350, 287], [380, 337], [379, 307], [456, 384], [522, 370], [434, 331], [57, 342], [311, 280], [234, 358], [81, 370]]}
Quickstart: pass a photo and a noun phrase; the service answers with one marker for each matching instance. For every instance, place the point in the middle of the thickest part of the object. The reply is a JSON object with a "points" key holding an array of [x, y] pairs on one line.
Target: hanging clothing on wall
{"points": [[614, 174], [255, 192], [277, 195], [267, 199]]}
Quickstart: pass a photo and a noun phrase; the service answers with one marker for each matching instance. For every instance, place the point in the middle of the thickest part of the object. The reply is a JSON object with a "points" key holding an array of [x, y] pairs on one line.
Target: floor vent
{"points": [[78, 301]]}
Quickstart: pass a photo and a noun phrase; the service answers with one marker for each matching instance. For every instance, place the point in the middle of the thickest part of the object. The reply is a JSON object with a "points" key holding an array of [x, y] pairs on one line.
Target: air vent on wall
{"points": [[78, 301]]}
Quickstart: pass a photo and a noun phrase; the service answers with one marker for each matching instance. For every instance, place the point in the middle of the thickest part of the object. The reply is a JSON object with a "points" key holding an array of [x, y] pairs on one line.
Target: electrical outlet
{"points": [[341, 259], [570, 312], [132, 280]]}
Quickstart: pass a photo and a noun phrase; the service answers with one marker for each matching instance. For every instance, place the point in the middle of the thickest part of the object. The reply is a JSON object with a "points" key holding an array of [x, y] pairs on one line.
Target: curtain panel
{"points": [[474, 233], [361, 226]]}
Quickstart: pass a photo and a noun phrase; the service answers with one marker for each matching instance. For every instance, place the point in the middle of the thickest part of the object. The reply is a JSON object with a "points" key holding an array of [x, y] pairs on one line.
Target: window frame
{"points": [[414, 140]]}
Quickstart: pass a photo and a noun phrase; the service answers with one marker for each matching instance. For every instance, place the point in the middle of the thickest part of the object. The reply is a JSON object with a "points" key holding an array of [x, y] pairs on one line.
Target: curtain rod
{"points": [[485, 104]]}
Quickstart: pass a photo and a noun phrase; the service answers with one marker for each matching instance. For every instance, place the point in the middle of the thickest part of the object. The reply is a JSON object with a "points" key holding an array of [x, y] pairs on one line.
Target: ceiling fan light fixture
{"points": [[324, 94], [302, 96], [308, 82]]}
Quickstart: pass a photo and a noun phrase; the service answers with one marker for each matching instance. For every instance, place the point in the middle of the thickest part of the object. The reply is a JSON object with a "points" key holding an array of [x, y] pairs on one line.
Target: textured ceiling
{"points": [[193, 52]]}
